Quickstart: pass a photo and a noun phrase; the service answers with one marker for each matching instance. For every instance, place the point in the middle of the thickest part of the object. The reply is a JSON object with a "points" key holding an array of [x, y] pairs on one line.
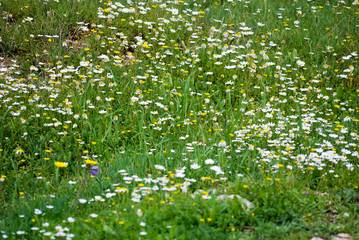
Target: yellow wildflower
{"points": [[61, 164], [90, 162]]}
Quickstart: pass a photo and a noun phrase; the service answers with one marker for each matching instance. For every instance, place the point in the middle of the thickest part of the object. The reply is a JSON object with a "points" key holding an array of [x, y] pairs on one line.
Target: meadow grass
{"points": [[177, 103]]}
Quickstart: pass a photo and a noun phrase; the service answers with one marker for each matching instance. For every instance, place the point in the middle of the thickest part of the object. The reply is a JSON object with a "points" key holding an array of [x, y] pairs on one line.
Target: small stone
{"points": [[342, 236], [317, 238]]}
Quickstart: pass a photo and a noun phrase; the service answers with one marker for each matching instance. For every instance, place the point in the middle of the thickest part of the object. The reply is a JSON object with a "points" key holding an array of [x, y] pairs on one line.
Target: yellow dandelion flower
{"points": [[61, 164], [90, 162]]}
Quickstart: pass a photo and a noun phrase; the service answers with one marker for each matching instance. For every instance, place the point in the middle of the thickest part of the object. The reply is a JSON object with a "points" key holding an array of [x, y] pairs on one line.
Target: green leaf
{"points": [[108, 230]]}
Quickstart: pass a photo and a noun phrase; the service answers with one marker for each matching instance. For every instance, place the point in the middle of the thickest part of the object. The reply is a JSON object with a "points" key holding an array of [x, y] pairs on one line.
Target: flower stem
{"points": [[3, 197], [83, 184]]}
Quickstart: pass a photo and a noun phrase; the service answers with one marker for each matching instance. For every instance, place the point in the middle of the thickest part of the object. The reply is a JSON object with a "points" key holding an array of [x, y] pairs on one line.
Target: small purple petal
{"points": [[95, 170]]}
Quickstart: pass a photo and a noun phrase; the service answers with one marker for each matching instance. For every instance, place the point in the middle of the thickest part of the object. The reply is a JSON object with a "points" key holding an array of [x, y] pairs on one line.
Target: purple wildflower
{"points": [[95, 170]]}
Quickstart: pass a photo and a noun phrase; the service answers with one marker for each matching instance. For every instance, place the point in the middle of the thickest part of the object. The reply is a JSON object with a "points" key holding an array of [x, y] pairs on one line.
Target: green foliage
{"points": [[178, 103]]}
